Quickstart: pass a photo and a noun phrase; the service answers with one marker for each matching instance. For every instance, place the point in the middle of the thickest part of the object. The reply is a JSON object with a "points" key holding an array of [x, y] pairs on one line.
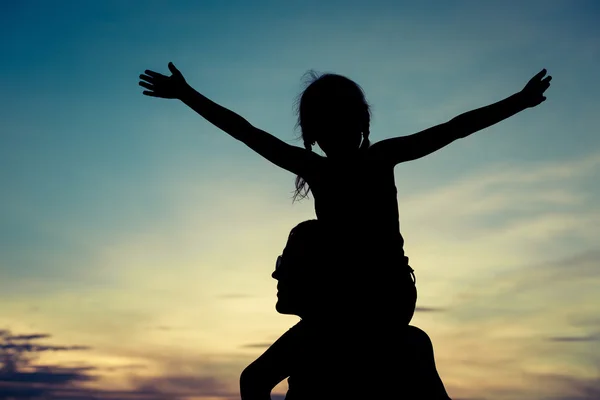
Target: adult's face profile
{"points": [[297, 272]]}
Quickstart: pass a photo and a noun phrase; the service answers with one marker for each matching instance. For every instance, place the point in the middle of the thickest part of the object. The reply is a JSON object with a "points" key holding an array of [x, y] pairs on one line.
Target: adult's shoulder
{"points": [[417, 335], [298, 330]]}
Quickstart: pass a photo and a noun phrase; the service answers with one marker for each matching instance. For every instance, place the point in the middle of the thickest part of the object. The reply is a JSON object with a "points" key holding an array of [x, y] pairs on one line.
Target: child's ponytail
{"points": [[302, 188]]}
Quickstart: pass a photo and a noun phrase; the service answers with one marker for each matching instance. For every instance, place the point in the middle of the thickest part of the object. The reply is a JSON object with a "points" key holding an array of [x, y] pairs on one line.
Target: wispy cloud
{"points": [[429, 309], [502, 217], [575, 339], [257, 345], [25, 337], [21, 377], [511, 252], [13, 348], [526, 321]]}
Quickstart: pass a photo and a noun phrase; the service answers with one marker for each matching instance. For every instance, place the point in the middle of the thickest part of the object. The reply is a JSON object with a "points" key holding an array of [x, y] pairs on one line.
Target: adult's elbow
{"points": [[247, 377]]}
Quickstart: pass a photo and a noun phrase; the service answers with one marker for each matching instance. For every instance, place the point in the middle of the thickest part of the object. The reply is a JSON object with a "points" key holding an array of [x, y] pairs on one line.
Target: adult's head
{"points": [[320, 277], [304, 272]]}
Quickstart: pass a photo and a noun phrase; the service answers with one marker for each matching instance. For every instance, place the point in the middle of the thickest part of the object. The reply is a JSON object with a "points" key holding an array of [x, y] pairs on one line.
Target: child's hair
{"points": [[321, 92]]}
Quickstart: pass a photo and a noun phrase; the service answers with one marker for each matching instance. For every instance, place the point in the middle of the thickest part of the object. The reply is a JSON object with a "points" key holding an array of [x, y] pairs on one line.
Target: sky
{"points": [[137, 240]]}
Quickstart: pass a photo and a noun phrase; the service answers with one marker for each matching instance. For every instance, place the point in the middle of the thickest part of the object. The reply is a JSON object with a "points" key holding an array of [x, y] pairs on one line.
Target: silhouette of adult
{"points": [[333, 352]]}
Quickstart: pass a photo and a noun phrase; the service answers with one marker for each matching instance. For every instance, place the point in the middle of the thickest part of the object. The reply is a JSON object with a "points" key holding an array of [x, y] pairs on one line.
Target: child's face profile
{"points": [[335, 113], [336, 141], [337, 129]]}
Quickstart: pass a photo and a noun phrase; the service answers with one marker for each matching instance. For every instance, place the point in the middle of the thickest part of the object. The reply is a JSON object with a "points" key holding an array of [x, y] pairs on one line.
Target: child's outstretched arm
{"points": [[412, 147], [267, 371], [291, 158]]}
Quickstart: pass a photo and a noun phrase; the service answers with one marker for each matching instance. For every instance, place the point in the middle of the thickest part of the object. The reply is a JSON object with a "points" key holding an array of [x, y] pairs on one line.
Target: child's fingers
{"points": [[153, 74], [540, 74], [146, 85], [146, 78], [173, 70]]}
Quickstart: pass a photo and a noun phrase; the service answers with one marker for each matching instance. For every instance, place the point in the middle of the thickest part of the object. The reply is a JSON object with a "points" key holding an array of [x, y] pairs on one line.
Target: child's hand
{"points": [[159, 85], [533, 93]]}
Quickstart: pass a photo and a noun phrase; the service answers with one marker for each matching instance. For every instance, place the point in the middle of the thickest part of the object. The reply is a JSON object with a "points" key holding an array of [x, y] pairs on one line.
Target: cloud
{"points": [[557, 296], [39, 348], [535, 188], [429, 309], [19, 343], [17, 352], [571, 387], [21, 378], [17, 393], [257, 345], [78, 393], [164, 328], [537, 320], [186, 385], [574, 339], [65, 385], [29, 337], [46, 375], [126, 367], [498, 220]]}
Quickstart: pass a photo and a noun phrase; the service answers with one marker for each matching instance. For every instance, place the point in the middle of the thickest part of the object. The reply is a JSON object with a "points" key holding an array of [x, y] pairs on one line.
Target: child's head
{"points": [[333, 113]]}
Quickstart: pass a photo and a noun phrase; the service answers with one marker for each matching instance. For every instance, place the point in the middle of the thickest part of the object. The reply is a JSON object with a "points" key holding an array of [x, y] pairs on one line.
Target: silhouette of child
{"points": [[353, 185], [312, 354]]}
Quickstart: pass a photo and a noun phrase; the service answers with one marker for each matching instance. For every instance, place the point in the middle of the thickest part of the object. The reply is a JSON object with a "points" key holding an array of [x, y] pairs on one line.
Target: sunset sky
{"points": [[137, 240]]}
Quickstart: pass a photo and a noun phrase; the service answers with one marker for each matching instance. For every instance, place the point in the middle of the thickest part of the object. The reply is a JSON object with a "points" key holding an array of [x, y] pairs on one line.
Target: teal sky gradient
{"points": [[121, 213]]}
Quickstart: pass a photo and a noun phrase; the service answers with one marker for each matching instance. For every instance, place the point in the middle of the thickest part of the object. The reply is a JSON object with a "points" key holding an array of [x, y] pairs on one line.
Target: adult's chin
{"points": [[283, 307]]}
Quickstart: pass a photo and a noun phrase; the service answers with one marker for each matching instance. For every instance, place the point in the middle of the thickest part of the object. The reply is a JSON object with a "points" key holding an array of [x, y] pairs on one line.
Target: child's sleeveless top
{"points": [[358, 202]]}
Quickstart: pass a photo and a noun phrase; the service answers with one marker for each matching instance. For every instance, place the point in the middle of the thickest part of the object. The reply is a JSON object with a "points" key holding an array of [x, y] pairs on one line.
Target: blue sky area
{"points": [[134, 228]]}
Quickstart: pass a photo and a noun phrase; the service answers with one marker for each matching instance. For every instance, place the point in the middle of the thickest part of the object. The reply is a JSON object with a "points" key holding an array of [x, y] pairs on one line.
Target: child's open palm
{"points": [[533, 92], [159, 85]]}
